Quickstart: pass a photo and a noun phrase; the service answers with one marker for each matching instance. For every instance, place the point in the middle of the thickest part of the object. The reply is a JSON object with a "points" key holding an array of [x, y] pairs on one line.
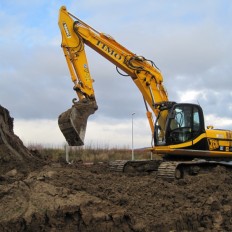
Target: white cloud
{"points": [[218, 122], [191, 41], [101, 133], [190, 96], [39, 131]]}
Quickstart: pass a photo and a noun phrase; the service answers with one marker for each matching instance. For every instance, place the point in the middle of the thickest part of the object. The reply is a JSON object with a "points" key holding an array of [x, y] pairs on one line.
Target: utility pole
{"points": [[132, 145]]}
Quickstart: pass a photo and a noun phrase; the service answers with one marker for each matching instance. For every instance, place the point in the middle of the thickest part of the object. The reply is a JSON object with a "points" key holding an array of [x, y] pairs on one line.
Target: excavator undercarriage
{"points": [[134, 165], [166, 169]]}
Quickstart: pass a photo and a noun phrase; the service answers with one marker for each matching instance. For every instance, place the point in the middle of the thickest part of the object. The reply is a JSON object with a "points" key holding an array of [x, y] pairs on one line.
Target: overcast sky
{"points": [[190, 41]]}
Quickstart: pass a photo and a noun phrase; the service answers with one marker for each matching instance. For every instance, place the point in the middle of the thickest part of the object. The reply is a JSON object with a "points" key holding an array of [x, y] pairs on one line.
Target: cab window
{"points": [[183, 124]]}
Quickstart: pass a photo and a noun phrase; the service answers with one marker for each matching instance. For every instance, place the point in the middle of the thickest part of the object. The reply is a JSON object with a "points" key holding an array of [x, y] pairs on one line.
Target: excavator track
{"points": [[134, 165], [117, 165], [177, 169], [169, 170]]}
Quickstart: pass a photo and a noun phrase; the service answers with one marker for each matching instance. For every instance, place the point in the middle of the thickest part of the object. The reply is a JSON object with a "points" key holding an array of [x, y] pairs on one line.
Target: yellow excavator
{"points": [[179, 132]]}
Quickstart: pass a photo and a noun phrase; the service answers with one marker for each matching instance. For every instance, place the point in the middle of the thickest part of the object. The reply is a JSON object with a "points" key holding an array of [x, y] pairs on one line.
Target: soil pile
{"points": [[81, 197], [14, 156], [90, 198]]}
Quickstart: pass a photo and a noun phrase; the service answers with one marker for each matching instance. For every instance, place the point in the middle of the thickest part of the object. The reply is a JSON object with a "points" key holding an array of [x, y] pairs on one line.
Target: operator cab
{"points": [[184, 123]]}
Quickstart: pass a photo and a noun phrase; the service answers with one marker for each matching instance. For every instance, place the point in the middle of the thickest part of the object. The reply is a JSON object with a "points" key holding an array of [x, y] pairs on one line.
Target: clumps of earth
{"points": [[43, 195]]}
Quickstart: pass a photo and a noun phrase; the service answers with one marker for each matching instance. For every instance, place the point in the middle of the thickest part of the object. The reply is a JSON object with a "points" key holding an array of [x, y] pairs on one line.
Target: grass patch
{"points": [[90, 153]]}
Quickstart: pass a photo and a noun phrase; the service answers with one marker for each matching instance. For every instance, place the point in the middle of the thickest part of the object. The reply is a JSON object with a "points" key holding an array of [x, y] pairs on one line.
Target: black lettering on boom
{"points": [[107, 49]]}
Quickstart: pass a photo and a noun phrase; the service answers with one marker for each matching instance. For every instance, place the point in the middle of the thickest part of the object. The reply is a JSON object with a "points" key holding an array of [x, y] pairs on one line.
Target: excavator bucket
{"points": [[73, 122]]}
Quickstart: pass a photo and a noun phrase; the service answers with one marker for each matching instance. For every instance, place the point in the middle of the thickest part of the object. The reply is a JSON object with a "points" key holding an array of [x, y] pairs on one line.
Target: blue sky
{"points": [[190, 41]]}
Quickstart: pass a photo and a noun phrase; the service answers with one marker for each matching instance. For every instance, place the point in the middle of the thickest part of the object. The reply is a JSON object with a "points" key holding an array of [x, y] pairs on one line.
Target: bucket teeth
{"points": [[73, 122]]}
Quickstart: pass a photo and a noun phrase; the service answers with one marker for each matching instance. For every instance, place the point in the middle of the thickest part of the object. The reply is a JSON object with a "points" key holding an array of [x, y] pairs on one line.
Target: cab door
{"points": [[184, 123]]}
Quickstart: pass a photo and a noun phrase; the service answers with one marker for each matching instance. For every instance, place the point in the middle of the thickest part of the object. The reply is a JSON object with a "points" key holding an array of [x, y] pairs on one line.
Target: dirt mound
{"points": [[80, 197], [90, 198], [14, 156], [38, 205]]}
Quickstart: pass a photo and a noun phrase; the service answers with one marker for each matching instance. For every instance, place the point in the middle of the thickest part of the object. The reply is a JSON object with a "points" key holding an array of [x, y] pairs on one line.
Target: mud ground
{"points": [[40, 195]]}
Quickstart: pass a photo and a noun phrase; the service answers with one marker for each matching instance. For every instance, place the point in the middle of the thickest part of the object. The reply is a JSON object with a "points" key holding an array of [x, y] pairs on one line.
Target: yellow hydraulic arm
{"points": [[146, 76]]}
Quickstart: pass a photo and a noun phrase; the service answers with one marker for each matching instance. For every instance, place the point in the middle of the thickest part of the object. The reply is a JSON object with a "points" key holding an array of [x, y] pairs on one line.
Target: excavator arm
{"points": [[73, 122], [147, 77]]}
